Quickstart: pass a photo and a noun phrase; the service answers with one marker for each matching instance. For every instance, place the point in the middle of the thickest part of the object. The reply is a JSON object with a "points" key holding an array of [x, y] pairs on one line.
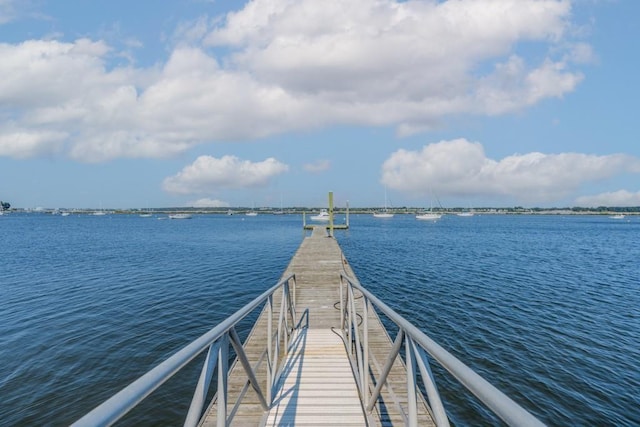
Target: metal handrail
{"points": [[216, 342], [416, 344]]}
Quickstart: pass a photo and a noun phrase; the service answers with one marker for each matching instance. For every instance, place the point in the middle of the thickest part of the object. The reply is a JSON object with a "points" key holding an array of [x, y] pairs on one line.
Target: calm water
{"points": [[546, 308]]}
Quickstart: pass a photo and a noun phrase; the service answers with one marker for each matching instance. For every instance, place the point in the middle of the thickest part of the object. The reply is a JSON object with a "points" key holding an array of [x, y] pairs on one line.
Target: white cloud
{"points": [[209, 203], [615, 198], [417, 59], [208, 174], [461, 168], [286, 66], [318, 166], [25, 143]]}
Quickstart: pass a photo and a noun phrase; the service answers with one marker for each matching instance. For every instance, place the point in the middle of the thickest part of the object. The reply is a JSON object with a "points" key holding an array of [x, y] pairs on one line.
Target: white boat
{"points": [[382, 215], [385, 212], [618, 216], [65, 213], [322, 216], [429, 216], [252, 213], [145, 215], [99, 213], [466, 213], [180, 216]]}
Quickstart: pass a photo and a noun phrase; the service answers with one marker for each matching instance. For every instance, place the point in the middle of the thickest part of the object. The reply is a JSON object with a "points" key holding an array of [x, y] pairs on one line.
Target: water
{"points": [[547, 308]]}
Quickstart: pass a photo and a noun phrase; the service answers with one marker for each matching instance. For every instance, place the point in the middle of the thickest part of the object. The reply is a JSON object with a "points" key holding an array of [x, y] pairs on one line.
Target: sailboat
{"points": [[429, 215], [385, 212], [252, 212], [281, 211]]}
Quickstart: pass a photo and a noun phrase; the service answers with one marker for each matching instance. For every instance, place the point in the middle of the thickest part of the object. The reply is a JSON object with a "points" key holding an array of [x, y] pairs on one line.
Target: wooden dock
{"points": [[317, 386]]}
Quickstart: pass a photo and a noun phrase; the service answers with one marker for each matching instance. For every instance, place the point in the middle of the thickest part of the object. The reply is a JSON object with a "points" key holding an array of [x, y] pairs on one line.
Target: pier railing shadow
{"points": [[278, 303], [358, 307]]}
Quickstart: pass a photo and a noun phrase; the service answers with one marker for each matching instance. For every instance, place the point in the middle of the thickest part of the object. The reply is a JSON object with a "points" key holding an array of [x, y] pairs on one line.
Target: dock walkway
{"points": [[317, 386]]}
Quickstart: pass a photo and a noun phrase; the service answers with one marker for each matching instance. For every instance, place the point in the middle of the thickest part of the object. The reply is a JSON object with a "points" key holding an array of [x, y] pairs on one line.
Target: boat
{"points": [[323, 215], [617, 216], [382, 215], [385, 212], [65, 213], [99, 213], [466, 213], [429, 216], [180, 216], [229, 212], [251, 213]]}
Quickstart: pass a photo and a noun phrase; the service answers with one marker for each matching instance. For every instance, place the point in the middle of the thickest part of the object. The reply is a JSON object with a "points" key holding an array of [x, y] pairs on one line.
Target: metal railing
{"points": [[216, 344], [355, 330]]}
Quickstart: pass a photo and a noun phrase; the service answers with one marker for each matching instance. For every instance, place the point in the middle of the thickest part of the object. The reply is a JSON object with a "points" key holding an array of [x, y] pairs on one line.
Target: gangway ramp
{"points": [[317, 387]]}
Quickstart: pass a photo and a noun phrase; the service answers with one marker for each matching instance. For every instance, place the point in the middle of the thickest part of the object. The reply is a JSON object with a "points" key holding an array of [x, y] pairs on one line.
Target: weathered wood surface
{"points": [[317, 386], [317, 265]]}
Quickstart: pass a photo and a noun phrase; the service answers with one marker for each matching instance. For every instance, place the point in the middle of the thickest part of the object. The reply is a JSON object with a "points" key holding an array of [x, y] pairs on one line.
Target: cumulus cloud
{"points": [[207, 174], [287, 66], [318, 166], [461, 168], [614, 198]]}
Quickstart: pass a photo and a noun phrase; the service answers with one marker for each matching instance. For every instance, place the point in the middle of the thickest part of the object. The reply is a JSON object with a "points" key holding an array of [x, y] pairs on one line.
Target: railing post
{"points": [[349, 324], [342, 305], [223, 367], [365, 350], [197, 403], [354, 320], [285, 316], [270, 373], [293, 279], [412, 406], [437, 408]]}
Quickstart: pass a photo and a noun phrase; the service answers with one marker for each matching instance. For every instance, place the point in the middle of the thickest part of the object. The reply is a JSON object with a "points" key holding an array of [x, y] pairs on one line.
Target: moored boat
{"points": [[323, 215], [180, 216], [429, 216]]}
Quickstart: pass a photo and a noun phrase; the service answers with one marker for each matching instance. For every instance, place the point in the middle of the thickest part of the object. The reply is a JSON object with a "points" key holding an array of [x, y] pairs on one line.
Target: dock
{"points": [[318, 354], [318, 387]]}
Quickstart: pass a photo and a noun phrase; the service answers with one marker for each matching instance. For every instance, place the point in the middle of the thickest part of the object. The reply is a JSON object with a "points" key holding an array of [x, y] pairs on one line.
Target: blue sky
{"points": [[228, 103]]}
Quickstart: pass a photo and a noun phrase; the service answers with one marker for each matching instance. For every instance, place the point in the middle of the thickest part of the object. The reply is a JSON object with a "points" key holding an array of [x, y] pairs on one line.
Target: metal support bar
{"points": [[412, 404], [270, 367], [437, 408], [386, 369], [197, 402], [242, 356], [223, 368]]}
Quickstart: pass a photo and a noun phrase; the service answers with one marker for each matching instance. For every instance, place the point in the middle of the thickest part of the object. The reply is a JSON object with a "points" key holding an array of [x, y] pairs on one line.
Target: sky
{"points": [[268, 103]]}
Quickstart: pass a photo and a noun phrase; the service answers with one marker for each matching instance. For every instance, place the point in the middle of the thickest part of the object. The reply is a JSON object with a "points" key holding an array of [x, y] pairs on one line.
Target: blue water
{"points": [[547, 308]]}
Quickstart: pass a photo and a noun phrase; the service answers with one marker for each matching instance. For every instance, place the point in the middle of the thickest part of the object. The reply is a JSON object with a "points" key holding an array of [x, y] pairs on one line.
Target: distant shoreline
{"points": [[340, 211]]}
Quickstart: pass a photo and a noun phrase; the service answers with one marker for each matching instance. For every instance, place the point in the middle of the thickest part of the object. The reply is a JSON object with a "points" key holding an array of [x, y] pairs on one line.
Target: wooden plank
{"points": [[317, 351]]}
